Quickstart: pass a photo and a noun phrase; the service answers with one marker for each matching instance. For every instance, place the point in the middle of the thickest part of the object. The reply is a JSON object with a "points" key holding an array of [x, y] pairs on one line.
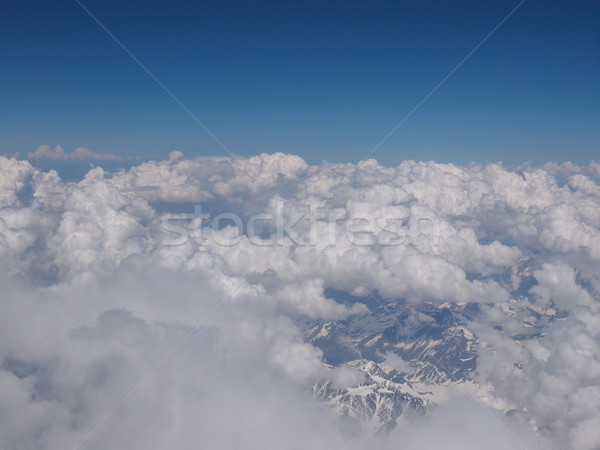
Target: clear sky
{"points": [[324, 80]]}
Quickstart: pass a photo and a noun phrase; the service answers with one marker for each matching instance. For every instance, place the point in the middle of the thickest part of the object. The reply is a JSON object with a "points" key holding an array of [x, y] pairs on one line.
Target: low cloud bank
{"points": [[104, 277], [79, 154]]}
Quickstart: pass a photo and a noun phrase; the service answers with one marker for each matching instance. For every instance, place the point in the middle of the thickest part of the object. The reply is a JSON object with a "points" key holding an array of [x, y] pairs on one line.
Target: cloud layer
{"points": [[79, 154], [102, 278]]}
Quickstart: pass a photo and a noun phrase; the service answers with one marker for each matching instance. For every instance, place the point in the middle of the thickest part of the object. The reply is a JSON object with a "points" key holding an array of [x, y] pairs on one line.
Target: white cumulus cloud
{"points": [[103, 277]]}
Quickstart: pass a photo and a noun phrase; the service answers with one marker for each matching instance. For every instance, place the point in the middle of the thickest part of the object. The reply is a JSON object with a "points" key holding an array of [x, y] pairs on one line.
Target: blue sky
{"points": [[324, 80]]}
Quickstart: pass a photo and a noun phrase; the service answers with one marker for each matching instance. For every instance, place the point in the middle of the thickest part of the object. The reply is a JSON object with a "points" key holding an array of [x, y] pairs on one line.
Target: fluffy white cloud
{"points": [[98, 287], [13, 175], [80, 153], [201, 179]]}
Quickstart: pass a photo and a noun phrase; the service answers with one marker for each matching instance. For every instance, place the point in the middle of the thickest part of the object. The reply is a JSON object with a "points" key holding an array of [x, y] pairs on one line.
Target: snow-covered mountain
{"points": [[378, 403], [410, 358]]}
